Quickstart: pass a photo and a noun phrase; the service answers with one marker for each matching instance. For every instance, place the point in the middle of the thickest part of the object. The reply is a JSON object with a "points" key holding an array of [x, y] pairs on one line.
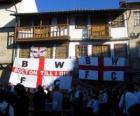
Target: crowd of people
{"points": [[93, 101]]}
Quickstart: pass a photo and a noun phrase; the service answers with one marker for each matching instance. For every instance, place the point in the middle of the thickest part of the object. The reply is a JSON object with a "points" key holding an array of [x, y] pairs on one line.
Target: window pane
{"points": [[120, 50], [61, 52], [24, 53], [96, 51], [49, 52], [101, 50], [105, 51], [81, 50], [137, 18]]}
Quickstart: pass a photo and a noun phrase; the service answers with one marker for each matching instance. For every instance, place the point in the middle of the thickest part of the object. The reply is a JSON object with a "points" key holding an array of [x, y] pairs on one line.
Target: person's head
{"points": [[20, 89], [40, 88]]}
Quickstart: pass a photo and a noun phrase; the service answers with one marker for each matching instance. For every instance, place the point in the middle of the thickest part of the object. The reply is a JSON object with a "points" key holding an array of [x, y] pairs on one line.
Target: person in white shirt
{"points": [[128, 99]]}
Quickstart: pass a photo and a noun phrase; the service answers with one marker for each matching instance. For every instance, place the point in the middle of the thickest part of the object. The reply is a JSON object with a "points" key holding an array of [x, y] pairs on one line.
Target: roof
{"points": [[130, 4], [75, 11]]}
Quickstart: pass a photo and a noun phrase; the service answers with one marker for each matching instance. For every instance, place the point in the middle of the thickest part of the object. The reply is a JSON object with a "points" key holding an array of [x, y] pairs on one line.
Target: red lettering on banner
{"points": [[24, 71], [43, 73]]}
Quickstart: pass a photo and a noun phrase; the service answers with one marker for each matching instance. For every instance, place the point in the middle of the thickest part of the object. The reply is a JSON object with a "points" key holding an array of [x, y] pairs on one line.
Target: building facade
{"points": [[72, 34], [133, 22], [7, 32]]}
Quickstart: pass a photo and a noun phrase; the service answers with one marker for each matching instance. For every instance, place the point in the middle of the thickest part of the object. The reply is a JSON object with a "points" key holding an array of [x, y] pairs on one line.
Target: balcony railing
{"points": [[58, 32], [42, 33]]}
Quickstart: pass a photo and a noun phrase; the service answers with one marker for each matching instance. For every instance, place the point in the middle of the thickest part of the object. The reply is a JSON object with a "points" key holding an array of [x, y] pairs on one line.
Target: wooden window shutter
{"points": [[49, 52], [101, 50], [24, 53], [61, 52]]}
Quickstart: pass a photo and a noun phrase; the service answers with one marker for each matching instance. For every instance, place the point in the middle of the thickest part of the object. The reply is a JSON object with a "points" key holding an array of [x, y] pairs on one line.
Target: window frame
{"points": [[101, 49], [136, 19], [115, 52], [58, 54], [83, 50]]}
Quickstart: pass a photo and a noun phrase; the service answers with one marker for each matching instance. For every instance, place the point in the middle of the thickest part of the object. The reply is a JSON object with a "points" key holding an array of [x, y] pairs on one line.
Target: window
{"points": [[61, 51], [24, 53], [81, 22], [49, 52], [137, 18], [117, 20], [120, 50], [99, 28], [101, 50], [99, 31], [81, 50]]}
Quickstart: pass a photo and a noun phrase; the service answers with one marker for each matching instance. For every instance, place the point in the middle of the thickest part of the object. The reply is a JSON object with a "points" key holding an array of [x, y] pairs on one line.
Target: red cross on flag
{"points": [[102, 68], [32, 72]]}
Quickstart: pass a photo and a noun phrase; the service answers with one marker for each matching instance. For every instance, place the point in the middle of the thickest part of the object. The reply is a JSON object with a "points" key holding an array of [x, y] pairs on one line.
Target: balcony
{"points": [[42, 33]]}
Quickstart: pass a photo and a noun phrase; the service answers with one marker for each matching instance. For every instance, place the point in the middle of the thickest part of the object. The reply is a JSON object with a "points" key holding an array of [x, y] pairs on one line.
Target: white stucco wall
{"points": [[120, 32], [6, 20], [115, 33], [27, 6], [76, 34]]}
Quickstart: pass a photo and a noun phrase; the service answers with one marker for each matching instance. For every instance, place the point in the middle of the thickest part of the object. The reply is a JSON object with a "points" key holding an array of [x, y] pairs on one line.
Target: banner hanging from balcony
{"points": [[37, 52], [102, 68], [46, 72]]}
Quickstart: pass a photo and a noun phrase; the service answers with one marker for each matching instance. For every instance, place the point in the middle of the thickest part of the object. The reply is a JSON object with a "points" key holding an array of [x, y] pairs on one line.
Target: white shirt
{"points": [[130, 100]]}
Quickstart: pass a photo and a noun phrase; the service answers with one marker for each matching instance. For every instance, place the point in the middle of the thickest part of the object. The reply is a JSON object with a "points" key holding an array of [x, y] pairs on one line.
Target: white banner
{"points": [[102, 68], [32, 72]]}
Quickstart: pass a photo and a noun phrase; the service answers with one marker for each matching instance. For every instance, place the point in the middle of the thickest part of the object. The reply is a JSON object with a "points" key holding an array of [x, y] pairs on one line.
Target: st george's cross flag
{"points": [[32, 72], [102, 68]]}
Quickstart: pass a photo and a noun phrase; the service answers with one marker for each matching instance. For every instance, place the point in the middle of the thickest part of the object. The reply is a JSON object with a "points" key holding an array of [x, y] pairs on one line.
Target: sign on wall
{"points": [[32, 72], [102, 68]]}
